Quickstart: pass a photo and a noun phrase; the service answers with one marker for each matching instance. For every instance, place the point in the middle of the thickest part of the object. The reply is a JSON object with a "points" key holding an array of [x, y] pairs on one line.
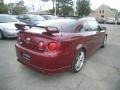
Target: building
{"points": [[104, 11]]}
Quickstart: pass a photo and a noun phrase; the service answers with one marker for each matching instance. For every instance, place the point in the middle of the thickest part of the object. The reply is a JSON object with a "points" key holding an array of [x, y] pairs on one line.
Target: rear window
{"points": [[36, 18], [63, 26]]}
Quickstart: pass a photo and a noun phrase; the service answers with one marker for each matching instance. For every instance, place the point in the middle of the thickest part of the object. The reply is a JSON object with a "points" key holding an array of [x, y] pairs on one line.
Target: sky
{"points": [[48, 5]]}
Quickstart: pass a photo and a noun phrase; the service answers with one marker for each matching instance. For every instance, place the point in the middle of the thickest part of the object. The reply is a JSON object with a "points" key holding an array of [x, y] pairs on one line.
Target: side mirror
{"points": [[103, 28]]}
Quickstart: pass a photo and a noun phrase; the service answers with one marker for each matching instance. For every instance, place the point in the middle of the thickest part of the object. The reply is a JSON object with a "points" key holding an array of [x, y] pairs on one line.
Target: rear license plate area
{"points": [[26, 57]]}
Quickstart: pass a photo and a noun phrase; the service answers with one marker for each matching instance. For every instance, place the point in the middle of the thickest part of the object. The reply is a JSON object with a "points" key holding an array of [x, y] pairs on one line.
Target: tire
{"points": [[78, 61], [104, 42], [1, 36]]}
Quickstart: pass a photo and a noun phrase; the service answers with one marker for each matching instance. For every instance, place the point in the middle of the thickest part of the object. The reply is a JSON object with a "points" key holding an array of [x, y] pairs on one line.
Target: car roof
{"points": [[87, 19], [59, 20], [29, 15], [61, 24]]}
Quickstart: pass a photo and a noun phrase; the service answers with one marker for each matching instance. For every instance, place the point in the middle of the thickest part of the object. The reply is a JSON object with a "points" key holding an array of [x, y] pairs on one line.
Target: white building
{"points": [[104, 11]]}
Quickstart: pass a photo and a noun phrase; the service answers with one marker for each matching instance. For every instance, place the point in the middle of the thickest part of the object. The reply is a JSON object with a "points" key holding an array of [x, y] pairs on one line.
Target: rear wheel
{"points": [[1, 36], [78, 62]]}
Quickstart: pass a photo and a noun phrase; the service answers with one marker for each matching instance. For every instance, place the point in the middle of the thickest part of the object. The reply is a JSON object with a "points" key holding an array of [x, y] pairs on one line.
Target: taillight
{"points": [[41, 45], [20, 38], [52, 46]]}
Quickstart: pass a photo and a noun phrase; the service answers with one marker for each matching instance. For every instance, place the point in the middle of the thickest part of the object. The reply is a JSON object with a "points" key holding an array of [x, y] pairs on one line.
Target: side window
{"points": [[26, 17], [85, 27], [78, 29], [20, 17], [93, 25]]}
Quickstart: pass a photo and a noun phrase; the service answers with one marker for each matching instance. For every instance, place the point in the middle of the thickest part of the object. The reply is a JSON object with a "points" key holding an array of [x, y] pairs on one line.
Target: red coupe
{"points": [[57, 45]]}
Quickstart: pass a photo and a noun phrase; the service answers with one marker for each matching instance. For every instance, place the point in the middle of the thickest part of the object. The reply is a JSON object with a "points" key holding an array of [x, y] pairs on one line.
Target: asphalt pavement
{"points": [[100, 72]]}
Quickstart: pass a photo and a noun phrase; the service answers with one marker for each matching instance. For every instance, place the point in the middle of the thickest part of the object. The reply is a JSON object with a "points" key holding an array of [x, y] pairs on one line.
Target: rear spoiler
{"points": [[49, 29]]}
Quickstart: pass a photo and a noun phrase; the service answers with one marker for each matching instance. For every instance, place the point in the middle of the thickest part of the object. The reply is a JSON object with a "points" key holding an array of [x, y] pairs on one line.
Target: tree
{"points": [[3, 8], [64, 7], [83, 7], [17, 8]]}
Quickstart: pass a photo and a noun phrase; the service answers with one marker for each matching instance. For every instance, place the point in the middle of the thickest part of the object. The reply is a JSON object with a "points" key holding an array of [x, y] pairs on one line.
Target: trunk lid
{"points": [[30, 39]]}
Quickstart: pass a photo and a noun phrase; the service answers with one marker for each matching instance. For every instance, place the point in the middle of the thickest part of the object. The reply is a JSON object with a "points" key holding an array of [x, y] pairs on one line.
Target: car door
{"points": [[102, 35], [96, 33], [89, 37]]}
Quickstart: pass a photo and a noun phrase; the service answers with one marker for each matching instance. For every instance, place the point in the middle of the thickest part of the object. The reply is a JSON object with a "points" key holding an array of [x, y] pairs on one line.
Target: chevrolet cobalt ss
{"points": [[57, 45]]}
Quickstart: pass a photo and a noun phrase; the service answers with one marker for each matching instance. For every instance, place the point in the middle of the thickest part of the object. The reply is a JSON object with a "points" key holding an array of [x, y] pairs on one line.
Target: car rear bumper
{"points": [[48, 64], [43, 70]]}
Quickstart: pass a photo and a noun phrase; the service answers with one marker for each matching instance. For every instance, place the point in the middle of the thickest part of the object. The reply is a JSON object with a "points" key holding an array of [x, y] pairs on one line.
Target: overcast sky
{"points": [[94, 3]]}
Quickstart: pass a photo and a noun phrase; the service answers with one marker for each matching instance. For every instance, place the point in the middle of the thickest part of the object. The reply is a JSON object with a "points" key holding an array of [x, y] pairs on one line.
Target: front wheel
{"points": [[78, 62], [104, 42]]}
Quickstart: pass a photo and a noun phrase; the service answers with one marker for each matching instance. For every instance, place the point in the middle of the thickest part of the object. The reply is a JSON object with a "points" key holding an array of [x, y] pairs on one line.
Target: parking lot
{"points": [[101, 70]]}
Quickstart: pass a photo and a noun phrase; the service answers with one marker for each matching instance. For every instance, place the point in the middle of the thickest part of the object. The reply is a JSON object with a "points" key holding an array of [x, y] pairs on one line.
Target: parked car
{"points": [[48, 17], [118, 21], [7, 27], [100, 20], [57, 45], [110, 20], [31, 19]]}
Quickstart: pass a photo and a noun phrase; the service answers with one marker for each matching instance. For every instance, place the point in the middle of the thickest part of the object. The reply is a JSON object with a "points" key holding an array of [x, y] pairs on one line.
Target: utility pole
{"points": [[40, 5], [55, 8], [33, 6], [11, 9], [74, 8]]}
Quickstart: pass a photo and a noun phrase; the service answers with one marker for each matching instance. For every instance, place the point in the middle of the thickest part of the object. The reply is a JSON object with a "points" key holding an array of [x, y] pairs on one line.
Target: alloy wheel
{"points": [[80, 60]]}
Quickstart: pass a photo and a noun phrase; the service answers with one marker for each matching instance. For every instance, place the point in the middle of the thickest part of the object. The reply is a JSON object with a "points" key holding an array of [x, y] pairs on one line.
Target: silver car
{"points": [[48, 17], [7, 26], [118, 21], [110, 20]]}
